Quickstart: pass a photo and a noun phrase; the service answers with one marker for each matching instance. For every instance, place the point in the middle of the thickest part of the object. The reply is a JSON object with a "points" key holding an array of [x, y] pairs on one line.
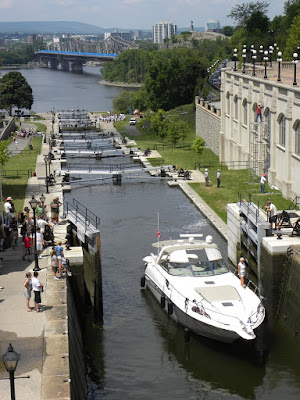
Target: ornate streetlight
{"points": [[254, 58], [10, 360], [235, 57], [46, 159], [244, 55], [295, 56], [265, 60], [271, 48], [279, 59], [33, 203], [42, 200], [261, 50]]}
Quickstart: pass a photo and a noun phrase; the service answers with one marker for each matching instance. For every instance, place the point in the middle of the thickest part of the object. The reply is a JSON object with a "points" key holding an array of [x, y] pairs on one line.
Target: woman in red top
{"points": [[27, 246]]}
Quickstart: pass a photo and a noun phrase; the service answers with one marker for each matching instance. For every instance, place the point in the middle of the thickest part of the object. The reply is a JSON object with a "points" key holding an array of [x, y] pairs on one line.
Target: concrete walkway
{"points": [[38, 337]]}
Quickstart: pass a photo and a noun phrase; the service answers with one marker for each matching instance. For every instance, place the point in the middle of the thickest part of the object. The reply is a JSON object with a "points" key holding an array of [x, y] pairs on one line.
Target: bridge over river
{"points": [[71, 60]]}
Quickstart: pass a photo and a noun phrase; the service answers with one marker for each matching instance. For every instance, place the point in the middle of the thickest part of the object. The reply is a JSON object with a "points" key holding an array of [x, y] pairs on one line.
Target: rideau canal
{"points": [[140, 353]]}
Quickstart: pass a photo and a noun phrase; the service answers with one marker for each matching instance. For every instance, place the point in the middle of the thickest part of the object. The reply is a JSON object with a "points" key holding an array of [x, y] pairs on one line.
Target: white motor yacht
{"points": [[195, 287]]}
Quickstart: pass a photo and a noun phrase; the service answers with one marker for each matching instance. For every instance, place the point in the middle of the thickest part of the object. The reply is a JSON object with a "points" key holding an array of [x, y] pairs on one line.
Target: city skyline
{"points": [[126, 14]]}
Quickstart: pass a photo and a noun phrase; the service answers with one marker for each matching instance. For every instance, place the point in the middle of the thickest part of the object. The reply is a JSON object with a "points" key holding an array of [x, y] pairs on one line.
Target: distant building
{"points": [[138, 35], [163, 30], [212, 26], [31, 39], [123, 35]]}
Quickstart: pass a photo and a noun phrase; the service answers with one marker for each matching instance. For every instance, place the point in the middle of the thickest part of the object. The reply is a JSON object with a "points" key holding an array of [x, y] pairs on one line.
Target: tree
{"points": [[124, 102], [4, 153], [159, 124], [15, 92], [178, 130], [293, 39], [227, 30], [241, 13], [198, 145]]}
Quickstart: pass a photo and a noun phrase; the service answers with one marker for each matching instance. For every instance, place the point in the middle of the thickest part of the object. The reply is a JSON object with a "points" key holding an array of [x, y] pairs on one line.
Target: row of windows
{"points": [[267, 118]]}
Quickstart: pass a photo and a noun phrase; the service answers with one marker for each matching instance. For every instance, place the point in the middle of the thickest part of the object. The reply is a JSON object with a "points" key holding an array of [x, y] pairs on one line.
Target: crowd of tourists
{"points": [[36, 235]]}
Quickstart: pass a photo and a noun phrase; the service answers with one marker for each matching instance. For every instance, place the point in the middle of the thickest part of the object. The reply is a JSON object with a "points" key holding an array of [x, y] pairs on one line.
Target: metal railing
{"points": [[171, 146], [81, 213], [248, 201], [11, 173], [110, 168], [222, 164], [295, 203]]}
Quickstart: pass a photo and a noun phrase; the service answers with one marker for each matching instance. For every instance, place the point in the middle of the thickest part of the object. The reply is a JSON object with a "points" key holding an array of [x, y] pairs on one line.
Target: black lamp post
{"points": [[46, 158], [265, 60], [271, 48], [235, 57], [261, 50], [279, 59], [244, 55], [33, 203], [42, 199], [254, 58], [10, 360], [295, 56]]}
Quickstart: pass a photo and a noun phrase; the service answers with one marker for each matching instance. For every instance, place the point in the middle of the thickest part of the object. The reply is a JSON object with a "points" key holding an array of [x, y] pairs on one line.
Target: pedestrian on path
{"points": [[27, 247], [218, 178], [262, 183], [60, 255], [54, 264], [37, 287], [39, 242], [206, 177], [28, 290]]}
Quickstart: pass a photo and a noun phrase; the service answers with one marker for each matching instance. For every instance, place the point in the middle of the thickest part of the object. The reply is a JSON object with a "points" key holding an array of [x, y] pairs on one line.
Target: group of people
{"points": [[206, 176]]}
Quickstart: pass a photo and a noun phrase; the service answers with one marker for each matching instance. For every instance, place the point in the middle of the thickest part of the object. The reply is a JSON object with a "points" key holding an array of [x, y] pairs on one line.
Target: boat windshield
{"points": [[197, 264]]}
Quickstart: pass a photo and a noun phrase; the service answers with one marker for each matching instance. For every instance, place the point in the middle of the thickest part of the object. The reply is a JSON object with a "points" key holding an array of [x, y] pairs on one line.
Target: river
{"points": [[140, 353]]}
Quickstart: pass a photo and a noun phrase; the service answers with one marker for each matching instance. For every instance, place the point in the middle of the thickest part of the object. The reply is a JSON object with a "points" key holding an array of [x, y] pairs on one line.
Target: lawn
{"points": [[15, 186]]}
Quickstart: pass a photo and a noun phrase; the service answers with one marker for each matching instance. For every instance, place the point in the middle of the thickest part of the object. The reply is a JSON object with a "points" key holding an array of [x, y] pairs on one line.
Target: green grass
{"points": [[16, 186]]}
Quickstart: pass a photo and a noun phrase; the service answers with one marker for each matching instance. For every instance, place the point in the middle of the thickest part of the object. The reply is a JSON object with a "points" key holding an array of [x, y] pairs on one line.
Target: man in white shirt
{"points": [[206, 177], [262, 183], [37, 288], [41, 223], [7, 208], [39, 242], [272, 210]]}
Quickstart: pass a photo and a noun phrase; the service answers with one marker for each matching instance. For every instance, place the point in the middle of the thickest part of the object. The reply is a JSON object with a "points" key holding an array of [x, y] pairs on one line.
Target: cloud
{"points": [[131, 1], [65, 3], [6, 3]]}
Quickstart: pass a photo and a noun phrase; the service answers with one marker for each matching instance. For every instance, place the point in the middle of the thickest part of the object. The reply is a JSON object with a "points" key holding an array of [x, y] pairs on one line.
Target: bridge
{"points": [[71, 60]]}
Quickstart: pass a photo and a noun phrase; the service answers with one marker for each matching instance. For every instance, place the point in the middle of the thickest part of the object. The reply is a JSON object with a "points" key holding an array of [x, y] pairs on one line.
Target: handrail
{"points": [[16, 172], [82, 214], [232, 164], [295, 202], [252, 200]]}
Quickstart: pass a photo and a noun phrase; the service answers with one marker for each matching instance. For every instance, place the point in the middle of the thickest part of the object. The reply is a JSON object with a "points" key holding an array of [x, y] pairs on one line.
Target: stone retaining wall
{"points": [[208, 125]]}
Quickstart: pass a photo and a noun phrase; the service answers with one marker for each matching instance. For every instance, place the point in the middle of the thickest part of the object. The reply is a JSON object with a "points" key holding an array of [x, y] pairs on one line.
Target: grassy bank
{"points": [[232, 182]]}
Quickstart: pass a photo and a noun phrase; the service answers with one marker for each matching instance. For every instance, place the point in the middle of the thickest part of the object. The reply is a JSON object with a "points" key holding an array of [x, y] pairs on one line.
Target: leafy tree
{"points": [[186, 35], [178, 130], [291, 10], [15, 92], [228, 30], [4, 153], [198, 145], [293, 40], [124, 102], [159, 124], [241, 13]]}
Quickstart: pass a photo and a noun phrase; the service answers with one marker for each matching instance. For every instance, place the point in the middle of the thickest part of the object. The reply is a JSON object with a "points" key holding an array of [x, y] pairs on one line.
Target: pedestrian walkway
{"points": [[39, 337]]}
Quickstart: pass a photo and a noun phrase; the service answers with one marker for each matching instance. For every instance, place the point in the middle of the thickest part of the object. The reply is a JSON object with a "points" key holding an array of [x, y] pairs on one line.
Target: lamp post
{"points": [[42, 200], [261, 50], [10, 360], [235, 57], [265, 60], [279, 59], [33, 203], [244, 55], [271, 48], [46, 158], [295, 56], [253, 58]]}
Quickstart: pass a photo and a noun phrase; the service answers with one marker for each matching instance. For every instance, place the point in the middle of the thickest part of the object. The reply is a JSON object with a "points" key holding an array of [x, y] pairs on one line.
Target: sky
{"points": [[126, 14]]}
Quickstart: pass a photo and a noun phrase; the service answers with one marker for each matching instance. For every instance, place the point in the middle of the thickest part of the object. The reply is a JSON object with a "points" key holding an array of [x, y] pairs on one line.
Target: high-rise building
{"points": [[163, 30], [212, 26]]}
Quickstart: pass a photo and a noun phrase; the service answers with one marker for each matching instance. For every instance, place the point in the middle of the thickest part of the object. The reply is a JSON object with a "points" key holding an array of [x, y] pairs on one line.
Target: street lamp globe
{"points": [[10, 359], [33, 203]]}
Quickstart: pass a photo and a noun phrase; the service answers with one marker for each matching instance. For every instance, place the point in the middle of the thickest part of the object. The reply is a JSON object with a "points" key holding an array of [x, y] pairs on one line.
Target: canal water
{"points": [[139, 352]]}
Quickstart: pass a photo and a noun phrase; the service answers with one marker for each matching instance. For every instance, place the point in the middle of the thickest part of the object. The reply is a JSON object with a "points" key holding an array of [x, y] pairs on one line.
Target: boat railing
{"points": [[251, 285]]}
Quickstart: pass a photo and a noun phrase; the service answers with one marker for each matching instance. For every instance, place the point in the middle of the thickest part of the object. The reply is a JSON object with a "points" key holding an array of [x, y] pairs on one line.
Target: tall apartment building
{"points": [[212, 26], [163, 30]]}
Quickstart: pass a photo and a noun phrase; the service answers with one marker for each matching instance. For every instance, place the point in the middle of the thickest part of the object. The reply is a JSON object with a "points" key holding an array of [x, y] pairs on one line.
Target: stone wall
{"points": [[208, 125], [9, 126]]}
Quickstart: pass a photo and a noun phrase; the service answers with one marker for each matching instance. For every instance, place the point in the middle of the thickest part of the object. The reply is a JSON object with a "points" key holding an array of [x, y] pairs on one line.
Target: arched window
{"points": [[254, 108], [282, 130], [236, 107], [245, 112], [268, 123], [228, 102], [297, 139]]}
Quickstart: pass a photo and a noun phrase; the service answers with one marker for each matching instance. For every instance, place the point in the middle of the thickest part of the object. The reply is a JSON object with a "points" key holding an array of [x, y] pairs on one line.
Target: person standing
{"points": [[218, 178], [242, 271], [37, 288], [272, 210], [60, 255], [27, 246], [206, 177], [8, 208], [262, 183], [54, 264], [28, 289], [258, 113], [39, 242]]}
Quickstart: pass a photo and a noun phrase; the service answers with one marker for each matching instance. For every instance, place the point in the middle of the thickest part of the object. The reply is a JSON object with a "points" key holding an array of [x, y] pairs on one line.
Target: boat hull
{"points": [[196, 326]]}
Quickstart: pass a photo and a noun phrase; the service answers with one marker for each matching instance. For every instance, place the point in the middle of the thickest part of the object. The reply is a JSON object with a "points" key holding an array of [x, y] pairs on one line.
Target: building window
{"points": [[228, 102], [245, 112], [236, 107], [268, 123], [282, 130], [297, 139]]}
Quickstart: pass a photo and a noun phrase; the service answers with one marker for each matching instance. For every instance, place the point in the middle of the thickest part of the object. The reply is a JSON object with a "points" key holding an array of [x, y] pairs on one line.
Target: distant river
{"points": [[68, 90]]}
